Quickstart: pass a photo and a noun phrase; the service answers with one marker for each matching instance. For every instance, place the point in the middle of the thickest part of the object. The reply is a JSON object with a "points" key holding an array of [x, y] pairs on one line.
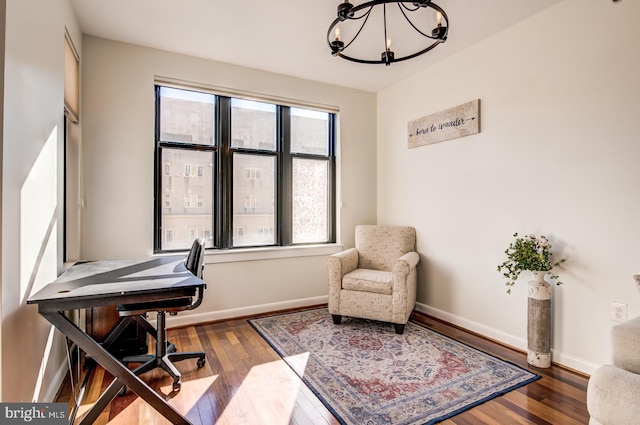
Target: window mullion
{"points": [[158, 176], [285, 178], [224, 199], [332, 178]]}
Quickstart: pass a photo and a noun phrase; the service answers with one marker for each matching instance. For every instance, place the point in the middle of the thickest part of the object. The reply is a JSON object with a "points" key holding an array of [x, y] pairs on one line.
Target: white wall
{"points": [[32, 358], [118, 144], [557, 155], [3, 10]]}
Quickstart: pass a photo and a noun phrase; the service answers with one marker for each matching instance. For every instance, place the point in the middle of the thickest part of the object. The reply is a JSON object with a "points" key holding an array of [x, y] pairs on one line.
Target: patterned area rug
{"points": [[366, 374]]}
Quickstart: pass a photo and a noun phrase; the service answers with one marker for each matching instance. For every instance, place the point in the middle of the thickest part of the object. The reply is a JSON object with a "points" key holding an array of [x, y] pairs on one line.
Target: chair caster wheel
{"points": [[201, 362], [176, 386]]}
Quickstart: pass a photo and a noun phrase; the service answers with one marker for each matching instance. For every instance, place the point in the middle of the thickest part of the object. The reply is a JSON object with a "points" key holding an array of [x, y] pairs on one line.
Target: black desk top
{"points": [[97, 283]]}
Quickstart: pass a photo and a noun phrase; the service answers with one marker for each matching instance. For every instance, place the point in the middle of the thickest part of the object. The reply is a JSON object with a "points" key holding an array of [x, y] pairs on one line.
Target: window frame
{"points": [[223, 151]]}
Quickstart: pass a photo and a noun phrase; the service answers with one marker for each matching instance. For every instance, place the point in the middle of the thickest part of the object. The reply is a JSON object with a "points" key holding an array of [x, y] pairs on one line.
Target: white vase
{"points": [[539, 321]]}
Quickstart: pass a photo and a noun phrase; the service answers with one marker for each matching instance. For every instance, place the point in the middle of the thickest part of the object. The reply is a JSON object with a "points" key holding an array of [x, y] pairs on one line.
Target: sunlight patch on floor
{"points": [[298, 362], [183, 401], [274, 407]]}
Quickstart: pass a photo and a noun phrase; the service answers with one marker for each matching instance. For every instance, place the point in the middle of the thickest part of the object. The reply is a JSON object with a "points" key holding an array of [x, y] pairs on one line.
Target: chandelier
{"points": [[415, 26]]}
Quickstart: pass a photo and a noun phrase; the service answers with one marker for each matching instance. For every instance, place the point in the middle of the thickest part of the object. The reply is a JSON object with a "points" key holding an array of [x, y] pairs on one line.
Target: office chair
{"points": [[166, 354]]}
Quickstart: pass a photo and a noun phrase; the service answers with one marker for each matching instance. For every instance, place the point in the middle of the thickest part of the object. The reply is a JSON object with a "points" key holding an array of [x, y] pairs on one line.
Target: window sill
{"points": [[269, 253]]}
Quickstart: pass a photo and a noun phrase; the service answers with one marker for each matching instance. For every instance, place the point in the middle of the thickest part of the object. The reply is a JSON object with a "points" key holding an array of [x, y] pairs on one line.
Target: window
{"points": [[261, 174]]}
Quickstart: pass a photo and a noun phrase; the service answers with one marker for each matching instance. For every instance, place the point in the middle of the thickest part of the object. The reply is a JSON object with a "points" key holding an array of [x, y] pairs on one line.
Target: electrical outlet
{"points": [[618, 311]]}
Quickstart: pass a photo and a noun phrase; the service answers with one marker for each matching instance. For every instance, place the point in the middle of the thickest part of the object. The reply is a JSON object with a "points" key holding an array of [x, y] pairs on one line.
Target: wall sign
{"points": [[459, 121]]}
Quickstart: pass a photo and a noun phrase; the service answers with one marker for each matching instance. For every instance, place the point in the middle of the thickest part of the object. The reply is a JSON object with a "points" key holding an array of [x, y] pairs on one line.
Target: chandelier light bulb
{"points": [[337, 34], [388, 44], [439, 18]]}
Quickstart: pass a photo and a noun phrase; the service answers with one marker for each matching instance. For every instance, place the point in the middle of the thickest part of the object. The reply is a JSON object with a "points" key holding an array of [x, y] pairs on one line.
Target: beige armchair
{"points": [[377, 279]]}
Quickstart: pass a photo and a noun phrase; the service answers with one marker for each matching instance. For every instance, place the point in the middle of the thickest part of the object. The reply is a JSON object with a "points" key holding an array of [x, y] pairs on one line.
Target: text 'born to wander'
{"points": [[459, 121]]}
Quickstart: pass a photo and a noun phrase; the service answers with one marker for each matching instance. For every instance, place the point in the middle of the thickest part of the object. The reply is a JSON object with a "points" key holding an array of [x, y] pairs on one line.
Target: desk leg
{"points": [[106, 397], [113, 366], [115, 333]]}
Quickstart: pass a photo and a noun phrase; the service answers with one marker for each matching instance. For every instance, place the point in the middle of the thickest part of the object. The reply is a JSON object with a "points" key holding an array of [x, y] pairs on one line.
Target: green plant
{"points": [[528, 253]]}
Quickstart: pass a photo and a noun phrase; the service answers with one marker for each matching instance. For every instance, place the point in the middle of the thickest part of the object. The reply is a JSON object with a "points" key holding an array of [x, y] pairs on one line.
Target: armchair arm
{"points": [[338, 265], [402, 268], [404, 286], [410, 258], [342, 263], [612, 396]]}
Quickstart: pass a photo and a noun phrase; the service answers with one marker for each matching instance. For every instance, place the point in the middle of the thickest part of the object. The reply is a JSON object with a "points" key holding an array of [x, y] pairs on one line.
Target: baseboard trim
{"points": [[212, 316], [486, 331], [559, 358]]}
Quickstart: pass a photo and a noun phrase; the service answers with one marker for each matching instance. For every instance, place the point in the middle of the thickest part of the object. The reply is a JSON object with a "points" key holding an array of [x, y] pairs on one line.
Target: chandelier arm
{"points": [[335, 23], [407, 7], [414, 27], [366, 15], [416, 54], [404, 58], [352, 59]]}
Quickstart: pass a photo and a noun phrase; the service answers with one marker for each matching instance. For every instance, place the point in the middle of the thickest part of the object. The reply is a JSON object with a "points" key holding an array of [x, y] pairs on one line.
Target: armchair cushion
{"points": [[365, 280]]}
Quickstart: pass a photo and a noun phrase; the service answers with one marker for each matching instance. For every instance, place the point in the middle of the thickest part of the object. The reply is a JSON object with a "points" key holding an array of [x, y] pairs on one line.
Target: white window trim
{"points": [[239, 255]]}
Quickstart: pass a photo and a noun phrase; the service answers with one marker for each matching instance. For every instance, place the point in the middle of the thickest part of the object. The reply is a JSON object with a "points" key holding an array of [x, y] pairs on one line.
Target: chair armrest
{"points": [[404, 286], [338, 265], [199, 298], [343, 262], [625, 343], [408, 261], [402, 268], [612, 396]]}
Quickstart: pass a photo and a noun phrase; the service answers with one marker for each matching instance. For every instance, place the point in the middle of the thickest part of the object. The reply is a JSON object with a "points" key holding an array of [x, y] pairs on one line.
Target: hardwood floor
{"points": [[245, 382]]}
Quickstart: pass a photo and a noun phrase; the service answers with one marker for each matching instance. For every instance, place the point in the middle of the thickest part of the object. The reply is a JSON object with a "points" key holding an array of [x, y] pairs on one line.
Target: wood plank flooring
{"points": [[245, 382]]}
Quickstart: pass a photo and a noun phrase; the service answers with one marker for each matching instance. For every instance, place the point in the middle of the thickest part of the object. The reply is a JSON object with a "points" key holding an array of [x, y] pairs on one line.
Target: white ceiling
{"points": [[284, 36]]}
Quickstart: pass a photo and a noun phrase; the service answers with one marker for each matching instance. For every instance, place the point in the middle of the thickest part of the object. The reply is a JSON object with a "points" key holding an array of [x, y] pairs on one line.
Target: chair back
{"points": [[195, 258], [379, 246]]}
